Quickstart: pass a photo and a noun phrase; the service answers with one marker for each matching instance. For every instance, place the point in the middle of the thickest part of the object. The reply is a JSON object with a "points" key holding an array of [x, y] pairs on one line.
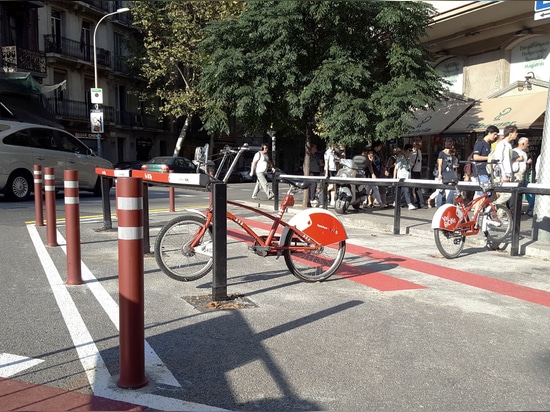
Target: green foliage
{"points": [[165, 53], [348, 70]]}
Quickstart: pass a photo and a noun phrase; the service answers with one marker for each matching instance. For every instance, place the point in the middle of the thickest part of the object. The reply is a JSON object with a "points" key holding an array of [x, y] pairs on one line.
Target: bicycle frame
{"points": [[316, 227], [456, 218]]}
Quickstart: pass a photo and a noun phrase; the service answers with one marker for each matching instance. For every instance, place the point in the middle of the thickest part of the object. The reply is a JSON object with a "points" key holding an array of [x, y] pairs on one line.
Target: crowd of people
{"points": [[407, 163]]}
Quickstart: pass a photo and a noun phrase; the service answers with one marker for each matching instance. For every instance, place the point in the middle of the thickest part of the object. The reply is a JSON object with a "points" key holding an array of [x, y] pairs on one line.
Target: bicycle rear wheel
{"points": [[316, 265], [449, 243], [499, 223], [172, 251]]}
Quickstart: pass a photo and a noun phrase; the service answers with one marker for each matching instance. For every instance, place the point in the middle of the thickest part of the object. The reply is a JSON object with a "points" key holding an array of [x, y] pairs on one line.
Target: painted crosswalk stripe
{"points": [[13, 364]]}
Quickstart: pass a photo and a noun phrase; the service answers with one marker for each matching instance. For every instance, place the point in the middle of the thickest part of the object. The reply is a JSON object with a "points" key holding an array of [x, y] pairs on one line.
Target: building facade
{"points": [[495, 55], [54, 41]]}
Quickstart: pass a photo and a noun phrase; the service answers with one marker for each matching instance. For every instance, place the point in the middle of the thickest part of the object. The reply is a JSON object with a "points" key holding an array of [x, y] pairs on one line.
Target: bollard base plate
{"points": [[204, 303]]}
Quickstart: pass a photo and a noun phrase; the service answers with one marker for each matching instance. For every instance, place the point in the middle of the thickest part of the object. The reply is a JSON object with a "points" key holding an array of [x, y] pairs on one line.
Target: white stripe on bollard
{"points": [[130, 233], [130, 203]]}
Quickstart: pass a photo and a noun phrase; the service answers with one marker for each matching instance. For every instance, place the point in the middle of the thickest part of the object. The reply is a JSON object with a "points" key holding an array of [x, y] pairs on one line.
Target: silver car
{"points": [[23, 145]]}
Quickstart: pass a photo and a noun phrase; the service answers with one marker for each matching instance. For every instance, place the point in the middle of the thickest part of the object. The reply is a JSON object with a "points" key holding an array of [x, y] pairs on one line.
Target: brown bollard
{"points": [[172, 193], [129, 194], [51, 224], [72, 222], [38, 204]]}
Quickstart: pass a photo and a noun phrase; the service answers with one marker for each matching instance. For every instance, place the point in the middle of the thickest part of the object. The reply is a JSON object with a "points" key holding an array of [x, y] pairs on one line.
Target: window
{"points": [[85, 36], [55, 27]]}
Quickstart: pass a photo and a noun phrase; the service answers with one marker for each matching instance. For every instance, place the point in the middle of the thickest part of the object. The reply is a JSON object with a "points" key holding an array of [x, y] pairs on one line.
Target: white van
{"points": [[23, 145]]}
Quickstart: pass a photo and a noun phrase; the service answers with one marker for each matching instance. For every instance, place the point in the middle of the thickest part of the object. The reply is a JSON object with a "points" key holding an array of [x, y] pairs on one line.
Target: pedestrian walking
{"points": [[504, 153], [260, 164], [416, 172], [403, 171], [314, 170]]}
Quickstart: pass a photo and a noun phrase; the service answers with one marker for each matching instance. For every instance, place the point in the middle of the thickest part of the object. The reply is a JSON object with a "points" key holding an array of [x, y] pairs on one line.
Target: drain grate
{"points": [[204, 303]]}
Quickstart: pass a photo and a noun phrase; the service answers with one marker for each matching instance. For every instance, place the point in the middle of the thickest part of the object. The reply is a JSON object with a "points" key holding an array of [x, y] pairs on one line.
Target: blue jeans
{"points": [[478, 180]]}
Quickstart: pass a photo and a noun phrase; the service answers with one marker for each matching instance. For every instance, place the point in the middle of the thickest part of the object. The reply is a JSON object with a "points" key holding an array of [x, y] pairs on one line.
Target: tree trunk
{"points": [[307, 159], [183, 134]]}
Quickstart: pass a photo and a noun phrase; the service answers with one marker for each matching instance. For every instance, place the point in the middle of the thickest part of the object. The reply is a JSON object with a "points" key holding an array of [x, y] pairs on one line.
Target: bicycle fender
{"points": [[446, 217], [193, 212], [319, 224]]}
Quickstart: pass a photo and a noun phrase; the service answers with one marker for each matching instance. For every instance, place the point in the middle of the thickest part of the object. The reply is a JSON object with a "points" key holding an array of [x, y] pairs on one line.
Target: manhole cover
{"points": [[204, 303]]}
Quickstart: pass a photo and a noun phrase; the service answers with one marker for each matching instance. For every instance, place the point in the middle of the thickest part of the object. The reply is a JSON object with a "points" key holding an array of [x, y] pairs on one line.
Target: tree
{"points": [[166, 53], [347, 71]]}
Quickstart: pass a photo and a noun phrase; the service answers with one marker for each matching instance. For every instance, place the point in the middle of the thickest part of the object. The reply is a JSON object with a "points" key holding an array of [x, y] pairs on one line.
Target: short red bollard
{"points": [[172, 196], [51, 224], [72, 221], [38, 205], [129, 194]]}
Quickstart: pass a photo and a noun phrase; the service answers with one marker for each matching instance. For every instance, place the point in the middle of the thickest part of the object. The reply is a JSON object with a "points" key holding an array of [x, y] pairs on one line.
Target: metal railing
{"points": [[16, 59], [514, 188], [76, 49]]}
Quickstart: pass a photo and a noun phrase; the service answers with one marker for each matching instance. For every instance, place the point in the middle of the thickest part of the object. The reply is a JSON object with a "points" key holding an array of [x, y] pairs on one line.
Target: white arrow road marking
{"points": [[13, 364]]}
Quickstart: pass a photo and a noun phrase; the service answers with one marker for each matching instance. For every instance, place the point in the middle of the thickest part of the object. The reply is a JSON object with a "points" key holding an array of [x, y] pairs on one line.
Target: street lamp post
{"points": [[121, 10]]}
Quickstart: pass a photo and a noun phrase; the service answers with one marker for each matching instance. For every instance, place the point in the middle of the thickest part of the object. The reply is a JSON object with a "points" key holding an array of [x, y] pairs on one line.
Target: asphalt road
{"points": [[399, 328]]}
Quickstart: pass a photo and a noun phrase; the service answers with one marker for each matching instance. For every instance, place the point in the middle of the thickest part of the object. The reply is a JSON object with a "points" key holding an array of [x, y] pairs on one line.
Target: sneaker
{"points": [[331, 204], [412, 207], [491, 222], [255, 197], [271, 197], [424, 206]]}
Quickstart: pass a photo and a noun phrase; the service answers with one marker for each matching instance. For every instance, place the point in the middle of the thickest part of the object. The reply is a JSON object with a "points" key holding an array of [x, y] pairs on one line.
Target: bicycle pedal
{"points": [[260, 250]]}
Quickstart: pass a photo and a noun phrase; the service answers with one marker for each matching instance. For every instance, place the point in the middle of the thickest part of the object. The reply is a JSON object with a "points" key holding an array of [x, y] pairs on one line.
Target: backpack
{"points": [[468, 166]]}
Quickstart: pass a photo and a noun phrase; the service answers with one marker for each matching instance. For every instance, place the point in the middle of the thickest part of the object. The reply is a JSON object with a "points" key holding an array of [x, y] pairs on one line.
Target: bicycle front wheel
{"points": [[499, 223], [449, 243], [172, 251], [313, 265]]}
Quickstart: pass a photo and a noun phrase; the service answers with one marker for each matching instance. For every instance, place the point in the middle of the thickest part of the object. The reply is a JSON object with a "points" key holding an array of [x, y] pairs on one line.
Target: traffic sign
{"points": [[96, 96], [542, 5]]}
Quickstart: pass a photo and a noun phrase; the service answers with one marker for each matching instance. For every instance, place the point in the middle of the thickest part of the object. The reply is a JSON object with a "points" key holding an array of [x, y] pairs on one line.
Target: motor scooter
{"points": [[351, 194]]}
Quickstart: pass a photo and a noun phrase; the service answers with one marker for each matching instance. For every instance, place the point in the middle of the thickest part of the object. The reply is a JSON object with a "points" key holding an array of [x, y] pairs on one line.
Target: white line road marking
{"points": [[96, 371], [13, 364], [156, 370]]}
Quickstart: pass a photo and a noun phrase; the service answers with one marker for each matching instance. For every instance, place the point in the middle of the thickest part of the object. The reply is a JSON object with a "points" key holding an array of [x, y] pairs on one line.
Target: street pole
{"points": [[541, 216], [121, 10]]}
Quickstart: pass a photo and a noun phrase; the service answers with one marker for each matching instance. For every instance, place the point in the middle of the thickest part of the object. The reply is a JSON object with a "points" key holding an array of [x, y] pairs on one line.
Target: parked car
{"points": [[23, 145], [239, 175], [165, 164]]}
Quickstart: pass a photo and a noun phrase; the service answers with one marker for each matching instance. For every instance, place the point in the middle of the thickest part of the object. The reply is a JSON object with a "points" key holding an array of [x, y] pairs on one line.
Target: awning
{"points": [[435, 121], [522, 111], [26, 109]]}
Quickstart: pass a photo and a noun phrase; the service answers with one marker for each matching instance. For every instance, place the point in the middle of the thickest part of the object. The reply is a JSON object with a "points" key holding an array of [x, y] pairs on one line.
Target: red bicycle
{"points": [[452, 223], [313, 242]]}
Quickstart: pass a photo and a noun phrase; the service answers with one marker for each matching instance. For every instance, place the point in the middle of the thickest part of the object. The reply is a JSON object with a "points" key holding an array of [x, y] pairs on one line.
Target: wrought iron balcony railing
{"points": [[17, 59], [79, 50], [77, 110]]}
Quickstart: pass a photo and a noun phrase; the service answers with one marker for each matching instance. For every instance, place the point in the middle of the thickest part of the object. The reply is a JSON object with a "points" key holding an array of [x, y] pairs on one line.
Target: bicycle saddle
{"points": [[300, 184]]}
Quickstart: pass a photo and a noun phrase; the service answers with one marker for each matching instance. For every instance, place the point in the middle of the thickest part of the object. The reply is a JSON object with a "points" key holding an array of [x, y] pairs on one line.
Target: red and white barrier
{"points": [[38, 204], [51, 224], [72, 221], [129, 192]]}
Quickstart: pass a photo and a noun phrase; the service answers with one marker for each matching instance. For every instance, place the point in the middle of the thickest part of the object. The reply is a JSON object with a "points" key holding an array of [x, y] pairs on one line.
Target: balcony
{"points": [[16, 59], [75, 49], [80, 111]]}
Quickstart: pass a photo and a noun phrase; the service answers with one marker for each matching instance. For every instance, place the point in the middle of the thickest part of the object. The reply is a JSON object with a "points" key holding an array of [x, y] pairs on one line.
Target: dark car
{"points": [[241, 175], [165, 164], [129, 165]]}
